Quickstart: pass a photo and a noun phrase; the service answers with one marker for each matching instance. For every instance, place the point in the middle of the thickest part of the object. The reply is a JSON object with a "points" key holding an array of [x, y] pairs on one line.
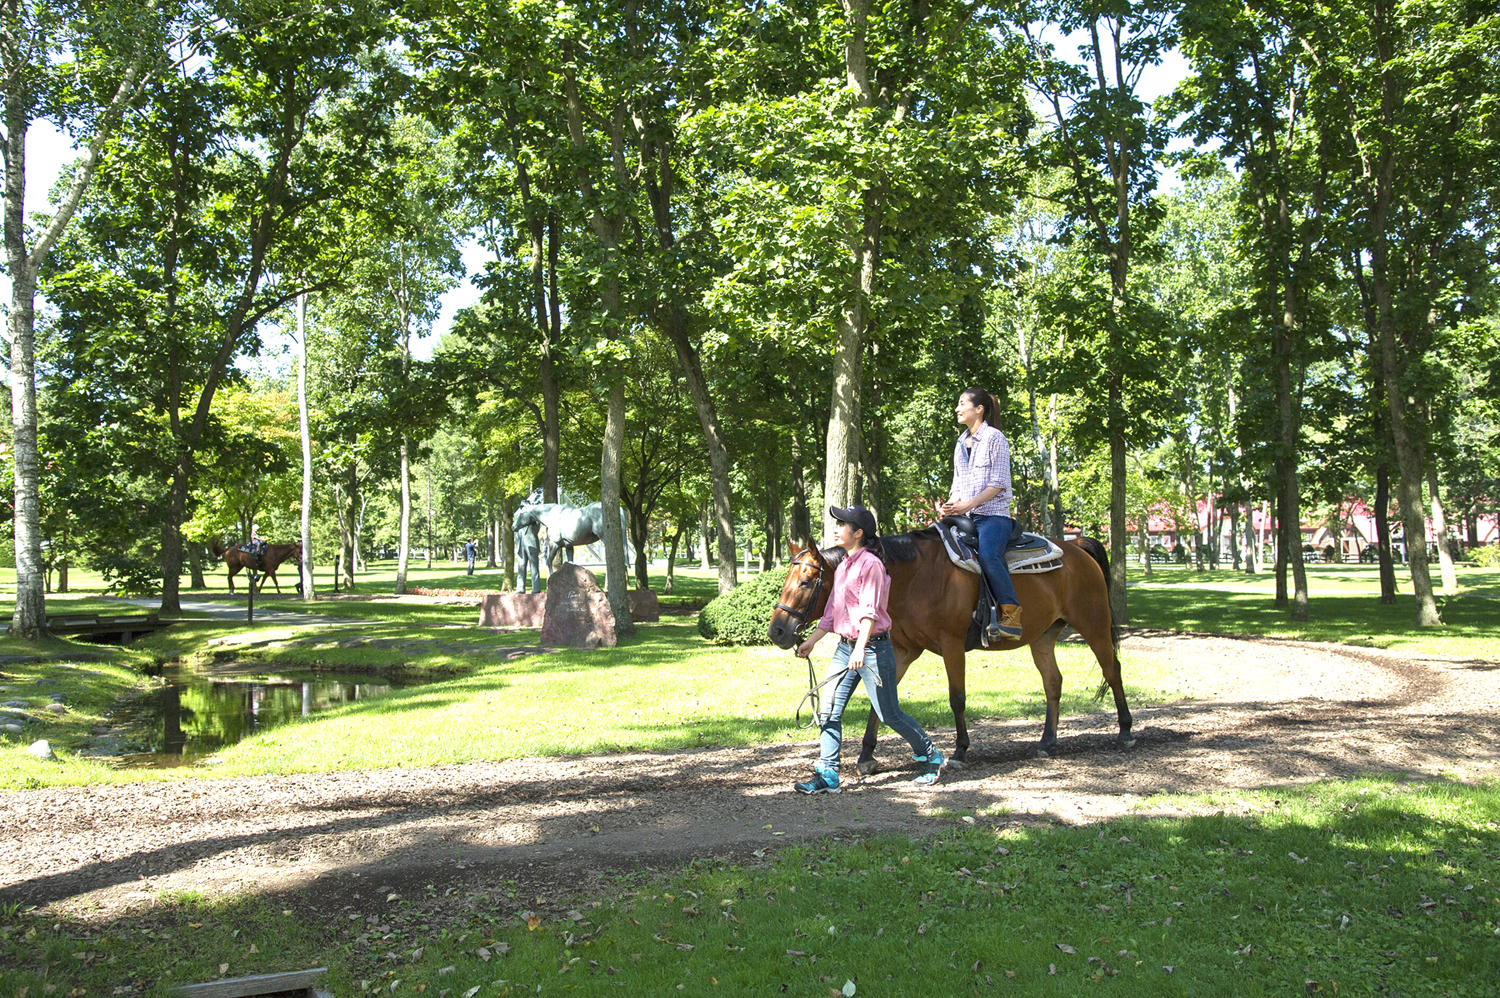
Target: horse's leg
{"points": [[275, 581], [1044, 654], [953, 663], [867, 764], [232, 569], [1102, 642]]}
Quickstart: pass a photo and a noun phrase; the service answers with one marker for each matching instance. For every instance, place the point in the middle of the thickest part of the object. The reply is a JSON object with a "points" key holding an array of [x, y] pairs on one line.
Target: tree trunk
{"points": [[1440, 532], [718, 451], [1057, 509], [609, 507], [308, 592], [351, 537], [505, 540], [1234, 533], [195, 565], [1383, 533], [842, 464], [171, 533], [1278, 502], [708, 542], [672, 558], [29, 619], [1118, 605], [1407, 442], [428, 477]]}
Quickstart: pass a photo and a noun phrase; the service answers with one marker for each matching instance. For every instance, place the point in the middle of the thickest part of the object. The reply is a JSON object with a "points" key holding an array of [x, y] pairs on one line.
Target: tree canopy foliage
{"points": [[740, 261]]}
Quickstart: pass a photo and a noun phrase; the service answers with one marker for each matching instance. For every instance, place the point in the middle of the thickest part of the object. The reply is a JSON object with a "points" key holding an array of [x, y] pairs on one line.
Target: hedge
{"points": [[741, 616]]}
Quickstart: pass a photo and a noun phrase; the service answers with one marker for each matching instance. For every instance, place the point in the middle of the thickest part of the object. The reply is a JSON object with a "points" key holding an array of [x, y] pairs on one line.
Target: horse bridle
{"points": [[802, 617]]}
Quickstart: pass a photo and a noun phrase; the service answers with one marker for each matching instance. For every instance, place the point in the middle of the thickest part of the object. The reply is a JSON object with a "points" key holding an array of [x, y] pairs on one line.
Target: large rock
{"points": [[41, 749], [577, 612], [643, 606], [512, 610]]}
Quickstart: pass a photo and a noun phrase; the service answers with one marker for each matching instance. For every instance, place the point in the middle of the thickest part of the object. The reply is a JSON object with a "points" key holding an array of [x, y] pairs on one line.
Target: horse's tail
{"points": [[216, 547], [1097, 551]]}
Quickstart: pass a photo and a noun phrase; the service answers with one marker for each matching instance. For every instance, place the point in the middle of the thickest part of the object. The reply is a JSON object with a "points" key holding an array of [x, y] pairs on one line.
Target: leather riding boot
{"points": [[1010, 620]]}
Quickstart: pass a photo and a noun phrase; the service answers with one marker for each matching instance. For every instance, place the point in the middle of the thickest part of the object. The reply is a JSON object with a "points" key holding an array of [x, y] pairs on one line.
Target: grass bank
{"points": [[665, 689], [1357, 887]]}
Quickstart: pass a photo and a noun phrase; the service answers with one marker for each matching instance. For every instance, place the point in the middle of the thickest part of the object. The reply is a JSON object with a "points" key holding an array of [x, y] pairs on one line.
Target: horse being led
{"points": [[568, 526], [931, 605], [267, 563]]}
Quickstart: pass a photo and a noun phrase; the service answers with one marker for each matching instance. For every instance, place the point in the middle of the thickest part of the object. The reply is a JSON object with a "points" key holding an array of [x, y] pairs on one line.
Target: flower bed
{"points": [[424, 591]]}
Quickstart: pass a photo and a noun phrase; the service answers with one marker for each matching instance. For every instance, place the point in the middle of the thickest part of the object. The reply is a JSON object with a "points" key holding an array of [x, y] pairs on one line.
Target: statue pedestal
{"points": [[512, 610], [643, 606], [573, 611]]}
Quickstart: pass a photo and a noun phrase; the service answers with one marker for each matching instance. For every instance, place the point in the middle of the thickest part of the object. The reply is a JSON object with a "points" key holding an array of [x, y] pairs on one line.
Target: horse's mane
{"points": [[903, 547], [834, 556]]}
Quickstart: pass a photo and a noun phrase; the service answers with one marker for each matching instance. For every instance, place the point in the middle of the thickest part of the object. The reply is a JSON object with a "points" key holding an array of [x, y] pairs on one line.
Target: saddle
{"points": [[1027, 553]]}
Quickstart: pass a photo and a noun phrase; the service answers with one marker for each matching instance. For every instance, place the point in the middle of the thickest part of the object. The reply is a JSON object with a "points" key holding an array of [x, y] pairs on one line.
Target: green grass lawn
{"points": [[665, 689], [1343, 606], [1359, 887]]}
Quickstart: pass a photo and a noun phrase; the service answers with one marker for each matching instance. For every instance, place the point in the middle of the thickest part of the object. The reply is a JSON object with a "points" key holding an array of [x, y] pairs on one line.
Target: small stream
{"points": [[195, 715]]}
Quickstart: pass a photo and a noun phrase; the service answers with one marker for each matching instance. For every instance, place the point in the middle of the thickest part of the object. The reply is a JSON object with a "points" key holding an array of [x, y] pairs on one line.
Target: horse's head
{"points": [[804, 595]]}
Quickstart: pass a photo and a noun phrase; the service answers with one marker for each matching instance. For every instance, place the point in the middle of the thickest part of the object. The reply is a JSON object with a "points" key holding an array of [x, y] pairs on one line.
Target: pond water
{"points": [[195, 715]]}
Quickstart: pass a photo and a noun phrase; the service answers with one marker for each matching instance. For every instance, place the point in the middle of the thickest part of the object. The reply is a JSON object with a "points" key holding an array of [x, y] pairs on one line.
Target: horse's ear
{"points": [[793, 549]]}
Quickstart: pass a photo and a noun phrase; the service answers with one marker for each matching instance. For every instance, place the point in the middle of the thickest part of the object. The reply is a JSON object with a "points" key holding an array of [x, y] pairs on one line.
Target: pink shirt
{"points": [[861, 589]]}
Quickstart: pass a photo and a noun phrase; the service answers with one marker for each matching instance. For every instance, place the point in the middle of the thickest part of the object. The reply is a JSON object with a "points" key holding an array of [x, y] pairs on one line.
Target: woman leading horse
{"points": [[932, 603]]}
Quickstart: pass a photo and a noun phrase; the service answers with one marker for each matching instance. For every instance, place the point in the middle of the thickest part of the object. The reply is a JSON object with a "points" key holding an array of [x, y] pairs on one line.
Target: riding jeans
{"points": [[994, 535], [881, 657]]}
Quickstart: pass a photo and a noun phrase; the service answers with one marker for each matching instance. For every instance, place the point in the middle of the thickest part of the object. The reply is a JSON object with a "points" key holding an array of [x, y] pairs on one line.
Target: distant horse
{"points": [[568, 525], [267, 563], [528, 558], [932, 603]]}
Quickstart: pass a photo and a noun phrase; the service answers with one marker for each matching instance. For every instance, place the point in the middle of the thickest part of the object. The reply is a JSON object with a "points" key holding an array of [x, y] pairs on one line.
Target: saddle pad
{"points": [[1031, 555]]}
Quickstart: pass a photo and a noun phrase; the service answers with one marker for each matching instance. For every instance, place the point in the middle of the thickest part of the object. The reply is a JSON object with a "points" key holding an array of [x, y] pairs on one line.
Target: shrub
{"points": [[1485, 557], [741, 616]]}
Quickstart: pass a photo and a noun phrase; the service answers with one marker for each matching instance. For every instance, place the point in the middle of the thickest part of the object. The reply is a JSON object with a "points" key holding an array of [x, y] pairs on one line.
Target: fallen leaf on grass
{"points": [[1010, 973], [532, 921], [472, 991], [223, 968], [1052, 969], [1065, 948], [1168, 970], [848, 989], [795, 952]]}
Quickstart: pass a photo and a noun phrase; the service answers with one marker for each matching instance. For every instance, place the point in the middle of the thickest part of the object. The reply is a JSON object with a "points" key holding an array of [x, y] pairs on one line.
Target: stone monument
{"points": [[577, 612]]}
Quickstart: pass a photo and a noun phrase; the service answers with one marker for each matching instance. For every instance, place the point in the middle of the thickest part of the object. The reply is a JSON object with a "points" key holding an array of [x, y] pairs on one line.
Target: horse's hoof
{"points": [[868, 767], [1040, 753], [957, 764], [1125, 741]]}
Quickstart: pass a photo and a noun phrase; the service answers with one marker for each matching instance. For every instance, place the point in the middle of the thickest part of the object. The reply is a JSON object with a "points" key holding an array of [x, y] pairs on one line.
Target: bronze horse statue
{"points": [[269, 560], [931, 606]]}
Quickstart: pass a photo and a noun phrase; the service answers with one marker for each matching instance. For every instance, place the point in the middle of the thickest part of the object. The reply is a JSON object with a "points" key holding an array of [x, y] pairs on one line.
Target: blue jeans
{"points": [[994, 534], [879, 656]]}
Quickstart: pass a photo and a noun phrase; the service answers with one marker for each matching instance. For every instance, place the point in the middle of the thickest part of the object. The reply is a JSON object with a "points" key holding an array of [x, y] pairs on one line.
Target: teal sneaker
{"points": [[824, 781], [932, 765]]}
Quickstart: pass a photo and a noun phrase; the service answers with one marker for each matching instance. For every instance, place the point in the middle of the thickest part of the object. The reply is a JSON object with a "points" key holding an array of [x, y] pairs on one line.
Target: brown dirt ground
{"points": [[529, 832]]}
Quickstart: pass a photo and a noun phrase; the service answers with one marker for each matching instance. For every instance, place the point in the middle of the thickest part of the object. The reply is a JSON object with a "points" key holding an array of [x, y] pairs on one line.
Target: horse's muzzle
{"points": [[781, 632]]}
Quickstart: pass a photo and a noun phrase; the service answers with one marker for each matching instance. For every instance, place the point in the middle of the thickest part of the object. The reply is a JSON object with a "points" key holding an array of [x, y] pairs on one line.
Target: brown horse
{"points": [[266, 564], [932, 602]]}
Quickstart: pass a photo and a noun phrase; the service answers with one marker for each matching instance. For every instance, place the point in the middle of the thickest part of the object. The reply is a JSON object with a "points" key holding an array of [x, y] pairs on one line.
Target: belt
{"points": [[882, 636]]}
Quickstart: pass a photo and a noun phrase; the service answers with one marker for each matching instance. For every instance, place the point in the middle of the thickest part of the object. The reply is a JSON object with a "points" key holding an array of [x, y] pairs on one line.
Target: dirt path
{"points": [[1269, 714]]}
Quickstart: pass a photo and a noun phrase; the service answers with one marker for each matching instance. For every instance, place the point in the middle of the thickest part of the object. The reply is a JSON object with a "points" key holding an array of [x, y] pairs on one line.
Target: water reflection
{"points": [[193, 715]]}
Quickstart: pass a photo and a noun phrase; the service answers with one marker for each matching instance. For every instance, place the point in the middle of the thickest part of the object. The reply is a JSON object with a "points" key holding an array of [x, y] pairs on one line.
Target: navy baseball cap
{"points": [[855, 516]]}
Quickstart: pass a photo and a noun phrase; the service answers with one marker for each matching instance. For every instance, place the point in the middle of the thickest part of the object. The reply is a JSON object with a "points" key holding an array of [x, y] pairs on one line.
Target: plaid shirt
{"points": [[988, 463]]}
